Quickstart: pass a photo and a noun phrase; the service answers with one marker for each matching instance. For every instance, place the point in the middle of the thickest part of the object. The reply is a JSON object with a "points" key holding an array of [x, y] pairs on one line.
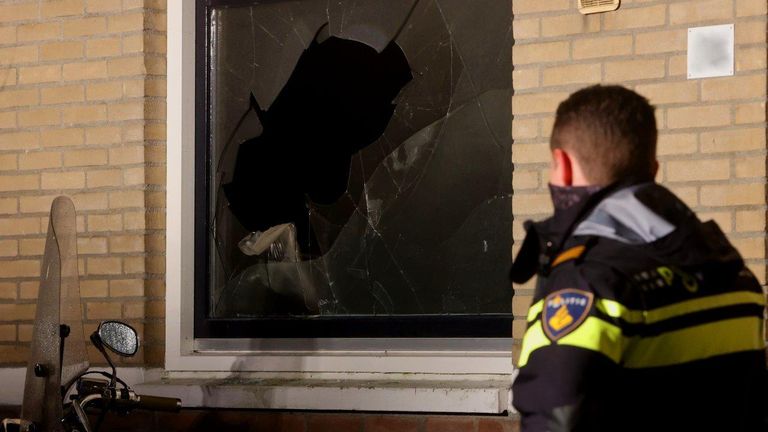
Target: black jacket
{"points": [[643, 319]]}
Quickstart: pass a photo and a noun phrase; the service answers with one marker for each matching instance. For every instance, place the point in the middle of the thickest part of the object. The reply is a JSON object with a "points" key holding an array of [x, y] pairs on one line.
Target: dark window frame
{"points": [[368, 326]]}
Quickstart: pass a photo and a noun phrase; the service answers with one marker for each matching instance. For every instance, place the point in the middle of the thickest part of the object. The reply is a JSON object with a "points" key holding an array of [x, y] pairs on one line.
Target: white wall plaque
{"points": [[710, 51]]}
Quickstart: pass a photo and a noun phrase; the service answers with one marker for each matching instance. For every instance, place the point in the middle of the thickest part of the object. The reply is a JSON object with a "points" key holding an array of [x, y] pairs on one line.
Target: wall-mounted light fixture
{"points": [[595, 6]]}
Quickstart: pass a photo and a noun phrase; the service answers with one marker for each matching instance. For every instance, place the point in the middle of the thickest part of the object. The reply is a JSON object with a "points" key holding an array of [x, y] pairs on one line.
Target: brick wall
{"points": [[712, 131], [82, 113]]}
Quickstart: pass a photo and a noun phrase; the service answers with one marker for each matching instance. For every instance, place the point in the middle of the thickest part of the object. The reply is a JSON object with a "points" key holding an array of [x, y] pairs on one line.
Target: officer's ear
{"points": [[561, 169]]}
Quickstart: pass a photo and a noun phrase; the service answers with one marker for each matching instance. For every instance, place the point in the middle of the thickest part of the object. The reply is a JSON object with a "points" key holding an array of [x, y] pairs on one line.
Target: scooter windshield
{"points": [[58, 352]]}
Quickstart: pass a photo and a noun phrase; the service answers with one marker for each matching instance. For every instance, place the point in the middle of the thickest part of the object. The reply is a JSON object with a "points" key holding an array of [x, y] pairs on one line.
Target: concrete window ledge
{"points": [[491, 396]]}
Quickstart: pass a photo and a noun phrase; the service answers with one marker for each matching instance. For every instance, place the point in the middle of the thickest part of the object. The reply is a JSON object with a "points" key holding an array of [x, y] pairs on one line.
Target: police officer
{"points": [[644, 318]]}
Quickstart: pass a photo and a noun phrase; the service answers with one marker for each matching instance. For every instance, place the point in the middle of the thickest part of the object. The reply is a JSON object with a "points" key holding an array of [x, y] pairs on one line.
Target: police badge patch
{"points": [[564, 311]]}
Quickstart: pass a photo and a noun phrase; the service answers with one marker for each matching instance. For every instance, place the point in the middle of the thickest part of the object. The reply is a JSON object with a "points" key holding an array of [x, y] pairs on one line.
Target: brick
{"points": [[84, 27], [19, 140], [85, 157], [572, 74], [698, 116], [134, 88], [749, 113], [39, 74], [746, 8], [39, 160], [18, 12], [102, 135], [61, 50], [104, 91], [698, 170], [9, 205], [7, 35], [18, 98], [670, 144], [8, 120], [542, 52], [9, 248], [38, 31], [750, 167], [65, 180], [661, 42], [97, 6], [103, 310], [154, 110], [17, 182], [39, 117], [606, 46], [64, 94], [62, 137], [135, 176], [334, 423], [391, 423], [748, 59], [8, 290], [731, 88], [750, 220], [520, 7], [630, 70], [570, 24], [18, 55], [138, 220], [126, 155], [699, 11], [104, 266], [132, 265], [17, 312], [16, 269], [126, 111], [678, 66], [155, 87], [537, 103], [531, 204], [749, 32], [36, 204], [159, 21], [91, 201], [25, 332], [637, 17], [732, 195], [99, 223], [733, 140], [104, 178], [85, 71], [126, 66], [531, 153], [133, 309], [60, 8], [133, 44], [750, 248], [525, 129], [503, 424], [32, 246], [91, 245], [7, 333], [8, 162], [449, 424], [84, 114], [103, 47], [126, 23], [14, 354], [126, 288], [670, 92], [122, 244], [525, 78], [93, 288]]}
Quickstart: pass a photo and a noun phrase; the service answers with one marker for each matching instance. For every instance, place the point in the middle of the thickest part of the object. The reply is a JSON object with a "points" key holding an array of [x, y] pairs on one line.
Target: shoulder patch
{"points": [[564, 311]]}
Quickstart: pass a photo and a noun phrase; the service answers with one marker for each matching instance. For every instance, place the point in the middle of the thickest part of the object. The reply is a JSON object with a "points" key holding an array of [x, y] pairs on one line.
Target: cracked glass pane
{"points": [[360, 158]]}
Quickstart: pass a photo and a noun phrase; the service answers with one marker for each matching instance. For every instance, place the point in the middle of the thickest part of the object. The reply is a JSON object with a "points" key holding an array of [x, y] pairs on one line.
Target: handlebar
{"points": [[158, 403]]}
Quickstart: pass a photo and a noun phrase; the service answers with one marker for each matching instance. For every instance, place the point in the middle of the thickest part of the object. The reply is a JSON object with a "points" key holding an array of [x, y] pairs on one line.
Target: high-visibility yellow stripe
{"points": [[674, 347], [534, 339], [696, 343], [595, 334], [568, 255], [617, 310], [535, 309]]}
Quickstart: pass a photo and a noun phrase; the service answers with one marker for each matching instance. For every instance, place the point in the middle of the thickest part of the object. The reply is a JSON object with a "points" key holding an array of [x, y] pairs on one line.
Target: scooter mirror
{"points": [[119, 337]]}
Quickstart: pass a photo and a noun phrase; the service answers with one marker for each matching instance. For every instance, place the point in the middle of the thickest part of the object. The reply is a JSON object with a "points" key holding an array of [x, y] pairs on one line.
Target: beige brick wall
{"points": [[82, 113], [712, 131]]}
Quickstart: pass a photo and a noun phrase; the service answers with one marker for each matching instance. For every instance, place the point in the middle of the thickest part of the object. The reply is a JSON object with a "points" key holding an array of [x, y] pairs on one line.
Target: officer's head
{"points": [[603, 134]]}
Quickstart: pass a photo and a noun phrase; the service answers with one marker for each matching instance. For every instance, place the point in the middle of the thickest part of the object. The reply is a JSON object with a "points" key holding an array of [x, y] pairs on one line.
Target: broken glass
{"points": [[360, 158]]}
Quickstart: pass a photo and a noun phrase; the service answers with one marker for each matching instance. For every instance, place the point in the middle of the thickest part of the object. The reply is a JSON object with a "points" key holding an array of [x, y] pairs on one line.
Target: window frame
{"points": [[186, 352]]}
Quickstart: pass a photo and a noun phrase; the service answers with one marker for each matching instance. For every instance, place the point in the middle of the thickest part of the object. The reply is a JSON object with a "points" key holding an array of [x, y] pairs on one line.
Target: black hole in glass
{"points": [[337, 101]]}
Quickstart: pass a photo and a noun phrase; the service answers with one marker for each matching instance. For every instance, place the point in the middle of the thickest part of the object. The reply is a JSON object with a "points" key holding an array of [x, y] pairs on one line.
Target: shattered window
{"points": [[355, 161]]}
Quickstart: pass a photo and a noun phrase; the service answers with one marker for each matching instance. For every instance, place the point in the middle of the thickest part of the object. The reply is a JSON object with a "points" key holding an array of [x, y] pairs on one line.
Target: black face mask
{"points": [[565, 197]]}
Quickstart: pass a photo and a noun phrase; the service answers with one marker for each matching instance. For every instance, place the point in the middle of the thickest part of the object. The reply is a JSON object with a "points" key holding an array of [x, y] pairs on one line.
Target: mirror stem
{"points": [[100, 346]]}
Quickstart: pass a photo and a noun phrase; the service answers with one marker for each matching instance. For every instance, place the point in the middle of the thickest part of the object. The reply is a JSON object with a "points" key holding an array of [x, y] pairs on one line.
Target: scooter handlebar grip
{"points": [[158, 403]]}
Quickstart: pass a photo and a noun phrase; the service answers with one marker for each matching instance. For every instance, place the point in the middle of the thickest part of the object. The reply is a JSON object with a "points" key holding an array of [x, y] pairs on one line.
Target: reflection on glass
{"points": [[360, 156]]}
